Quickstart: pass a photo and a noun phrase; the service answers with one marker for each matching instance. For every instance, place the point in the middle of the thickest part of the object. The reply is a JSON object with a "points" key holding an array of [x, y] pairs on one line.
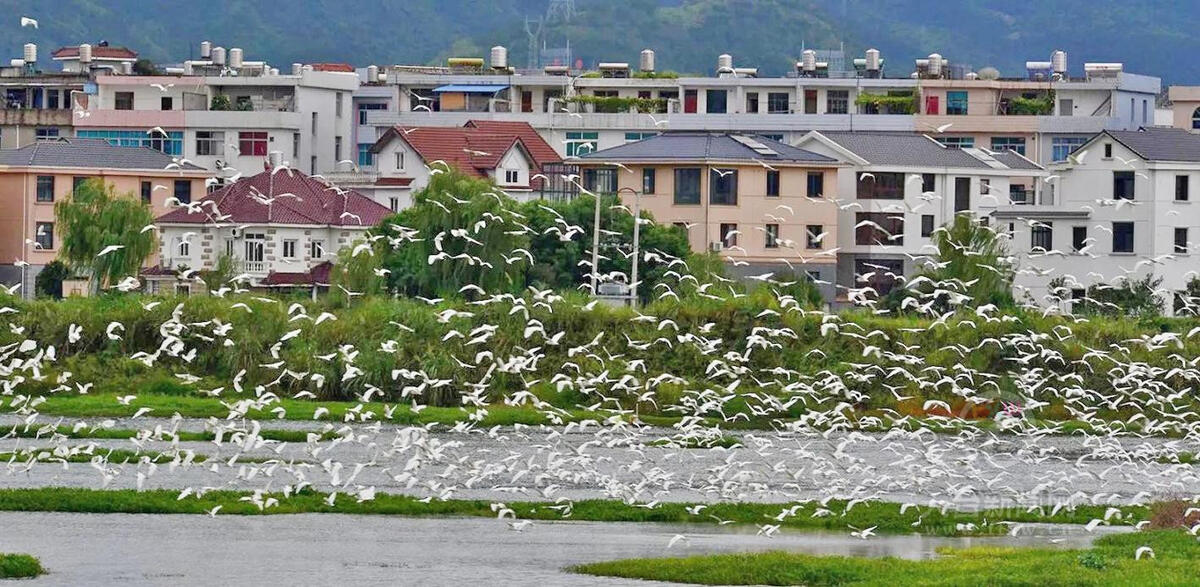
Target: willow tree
{"points": [[973, 260], [93, 220]]}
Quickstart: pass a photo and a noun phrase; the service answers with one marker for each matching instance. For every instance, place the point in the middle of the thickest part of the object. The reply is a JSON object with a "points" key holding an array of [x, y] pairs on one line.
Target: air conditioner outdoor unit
{"points": [[716, 246]]}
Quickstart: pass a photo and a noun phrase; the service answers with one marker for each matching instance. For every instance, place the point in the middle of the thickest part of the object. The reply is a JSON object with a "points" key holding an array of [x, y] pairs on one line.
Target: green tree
{"points": [[1126, 297], [102, 232], [220, 274], [972, 260], [49, 280], [356, 271]]}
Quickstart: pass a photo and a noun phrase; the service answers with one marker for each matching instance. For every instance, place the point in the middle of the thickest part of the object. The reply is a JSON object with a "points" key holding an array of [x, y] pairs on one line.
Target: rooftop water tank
{"points": [[205, 49], [235, 58], [218, 56], [85, 53], [725, 62], [30, 53], [499, 57], [647, 60]]}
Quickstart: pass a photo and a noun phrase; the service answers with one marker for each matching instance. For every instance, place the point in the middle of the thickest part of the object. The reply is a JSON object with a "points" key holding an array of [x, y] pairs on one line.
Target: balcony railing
{"points": [[254, 267]]}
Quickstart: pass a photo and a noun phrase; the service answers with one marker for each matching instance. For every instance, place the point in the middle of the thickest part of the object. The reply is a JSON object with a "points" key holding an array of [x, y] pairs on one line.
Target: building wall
{"points": [[207, 244]]}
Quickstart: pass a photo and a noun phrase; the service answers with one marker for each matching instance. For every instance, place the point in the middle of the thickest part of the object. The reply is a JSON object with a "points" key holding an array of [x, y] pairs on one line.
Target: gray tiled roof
{"points": [[917, 150], [89, 153], [703, 146], [1160, 144]]}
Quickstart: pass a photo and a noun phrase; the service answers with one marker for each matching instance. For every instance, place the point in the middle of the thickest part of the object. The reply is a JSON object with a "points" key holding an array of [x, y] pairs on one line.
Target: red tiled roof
{"points": [[158, 270], [97, 52], [538, 148], [294, 198], [343, 67], [400, 181], [318, 275]]}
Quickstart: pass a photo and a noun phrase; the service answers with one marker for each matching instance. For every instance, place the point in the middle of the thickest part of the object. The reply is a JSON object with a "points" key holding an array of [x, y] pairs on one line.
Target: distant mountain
{"points": [[1154, 37]]}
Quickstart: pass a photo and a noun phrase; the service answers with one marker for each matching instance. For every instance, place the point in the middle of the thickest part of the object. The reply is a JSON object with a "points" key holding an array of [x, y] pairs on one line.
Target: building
{"points": [[1043, 112], [227, 114], [37, 175], [898, 188], [508, 153], [279, 228], [1185, 107], [763, 205], [34, 104], [1123, 209]]}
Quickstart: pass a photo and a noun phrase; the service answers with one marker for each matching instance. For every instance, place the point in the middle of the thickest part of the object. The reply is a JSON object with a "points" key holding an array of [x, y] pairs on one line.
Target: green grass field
{"points": [[19, 566], [1111, 561]]}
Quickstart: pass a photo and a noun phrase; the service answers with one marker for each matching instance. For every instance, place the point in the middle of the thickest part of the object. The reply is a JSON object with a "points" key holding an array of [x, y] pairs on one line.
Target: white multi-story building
{"points": [[1121, 208], [1043, 113], [898, 188], [227, 114]]}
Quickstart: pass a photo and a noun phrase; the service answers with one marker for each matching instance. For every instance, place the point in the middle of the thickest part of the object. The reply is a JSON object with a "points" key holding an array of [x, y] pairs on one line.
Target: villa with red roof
{"points": [[283, 229], [508, 153]]}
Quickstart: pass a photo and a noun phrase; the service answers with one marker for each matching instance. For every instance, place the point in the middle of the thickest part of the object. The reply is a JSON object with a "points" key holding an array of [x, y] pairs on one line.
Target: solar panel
{"points": [[758, 147]]}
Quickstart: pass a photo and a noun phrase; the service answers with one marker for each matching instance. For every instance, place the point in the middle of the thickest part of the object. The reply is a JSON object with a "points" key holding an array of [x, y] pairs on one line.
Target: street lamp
{"points": [[637, 225]]}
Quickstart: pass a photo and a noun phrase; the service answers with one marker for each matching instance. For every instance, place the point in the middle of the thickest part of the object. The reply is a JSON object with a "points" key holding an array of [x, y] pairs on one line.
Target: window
{"points": [[1063, 146], [296, 146], [631, 137], [337, 149], [312, 165], [777, 102], [772, 183], [147, 192], [394, 204], [45, 188], [810, 101], [878, 228], [581, 143], [837, 102], [314, 123], [958, 142], [46, 133], [289, 249], [772, 236], [364, 108], [777, 137], [316, 249], [166, 103], [210, 143], [729, 235], [1016, 144], [928, 182], [1122, 237], [816, 184], [926, 225], [229, 247], [880, 186], [183, 190], [124, 101], [43, 238], [687, 185], [649, 175], [337, 103], [962, 194], [170, 143], [813, 235], [1108, 150], [1123, 185], [716, 101], [956, 103], [1042, 236], [600, 181], [1196, 118], [251, 143], [723, 187], [52, 99], [78, 181], [1181, 188], [512, 176], [365, 157], [1078, 238], [1066, 107], [751, 102], [184, 248], [1181, 240], [400, 160]]}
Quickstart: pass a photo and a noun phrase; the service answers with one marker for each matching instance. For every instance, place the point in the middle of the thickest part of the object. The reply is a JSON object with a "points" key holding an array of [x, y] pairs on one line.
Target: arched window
{"points": [[185, 248], [1196, 118]]}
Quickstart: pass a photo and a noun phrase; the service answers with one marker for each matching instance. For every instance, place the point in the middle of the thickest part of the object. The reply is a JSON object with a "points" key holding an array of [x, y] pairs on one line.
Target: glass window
{"points": [[729, 234], [1181, 188], [1123, 184], [813, 236], [1122, 237], [1016, 144], [147, 192], [772, 183], [1108, 150], [810, 101], [956, 103], [512, 176], [184, 248], [166, 103], [926, 225], [252, 144], [581, 143], [1181, 240], [716, 101], [1078, 238], [170, 143], [211, 143], [777, 102], [45, 188], [1063, 146], [365, 157], [687, 185], [752, 102], [648, 180], [928, 182], [880, 186], [183, 190], [46, 133], [958, 142], [1196, 118], [43, 237], [816, 184], [289, 249], [316, 249], [600, 181], [723, 187], [1042, 236], [124, 101], [364, 108], [637, 136], [837, 102], [878, 228], [337, 103], [772, 236]]}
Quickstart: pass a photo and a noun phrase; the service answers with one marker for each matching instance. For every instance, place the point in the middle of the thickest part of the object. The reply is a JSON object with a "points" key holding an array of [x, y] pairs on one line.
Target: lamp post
{"points": [[637, 224]]}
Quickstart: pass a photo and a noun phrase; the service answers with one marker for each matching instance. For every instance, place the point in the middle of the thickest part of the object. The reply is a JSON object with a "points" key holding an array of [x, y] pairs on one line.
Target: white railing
{"points": [[254, 266]]}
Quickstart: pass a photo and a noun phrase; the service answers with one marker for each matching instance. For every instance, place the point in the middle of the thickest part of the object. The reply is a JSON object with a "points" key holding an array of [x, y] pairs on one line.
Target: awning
{"points": [[471, 88]]}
